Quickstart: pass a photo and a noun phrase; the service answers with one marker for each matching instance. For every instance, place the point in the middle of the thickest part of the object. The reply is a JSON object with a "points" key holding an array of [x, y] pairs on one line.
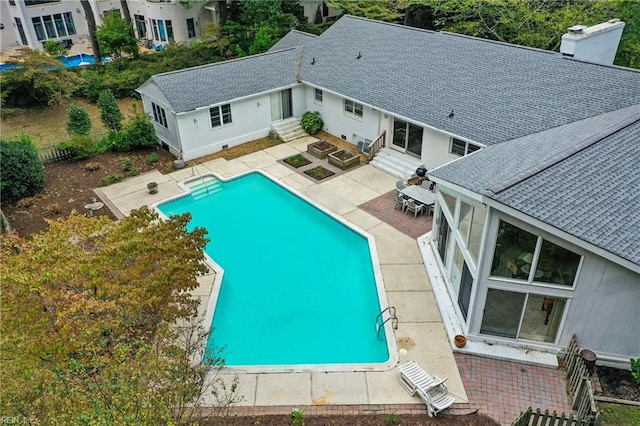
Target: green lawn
{"points": [[619, 415]]}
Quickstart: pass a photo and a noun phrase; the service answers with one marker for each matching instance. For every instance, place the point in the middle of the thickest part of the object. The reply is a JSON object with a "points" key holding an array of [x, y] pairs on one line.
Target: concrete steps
{"points": [[288, 130], [395, 163], [204, 187]]}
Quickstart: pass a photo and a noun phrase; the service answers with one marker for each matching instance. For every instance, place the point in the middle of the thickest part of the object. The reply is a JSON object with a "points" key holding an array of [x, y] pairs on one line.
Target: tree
{"points": [[533, 23], [110, 113], [22, 174], [115, 36], [79, 122], [380, 10], [255, 26], [99, 323], [38, 79], [91, 24]]}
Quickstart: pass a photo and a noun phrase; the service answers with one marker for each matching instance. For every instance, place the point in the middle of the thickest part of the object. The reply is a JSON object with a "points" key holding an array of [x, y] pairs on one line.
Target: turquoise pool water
{"points": [[67, 61], [298, 286]]}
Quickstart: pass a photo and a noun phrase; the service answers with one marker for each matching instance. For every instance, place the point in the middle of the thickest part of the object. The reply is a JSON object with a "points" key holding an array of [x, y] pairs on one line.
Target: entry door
{"points": [[287, 109], [281, 105], [407, 137]]}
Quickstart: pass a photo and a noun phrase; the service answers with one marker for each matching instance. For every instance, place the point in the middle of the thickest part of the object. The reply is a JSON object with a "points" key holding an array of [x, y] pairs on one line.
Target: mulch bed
{"points": [[70, 184], [617, 383], [357, 420]]}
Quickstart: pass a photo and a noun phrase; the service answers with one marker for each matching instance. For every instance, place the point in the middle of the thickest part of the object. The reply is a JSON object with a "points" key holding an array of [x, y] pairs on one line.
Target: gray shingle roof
{"points": [[593, 194], [568, 178], [212, 84], [293, 38], [498, 92]]}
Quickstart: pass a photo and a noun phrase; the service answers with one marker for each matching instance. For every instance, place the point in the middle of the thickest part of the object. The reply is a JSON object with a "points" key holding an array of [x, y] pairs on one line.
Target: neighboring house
{"points": [[549, 135], [32, 22]]}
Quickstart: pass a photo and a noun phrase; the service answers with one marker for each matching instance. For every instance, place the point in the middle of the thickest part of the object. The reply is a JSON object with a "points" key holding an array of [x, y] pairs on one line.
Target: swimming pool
{"points": [[67, 61], [300, 287]]}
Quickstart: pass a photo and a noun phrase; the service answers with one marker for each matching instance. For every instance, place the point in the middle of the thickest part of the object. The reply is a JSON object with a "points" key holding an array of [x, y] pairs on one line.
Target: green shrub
{"points": [[54, 48], [153, 159], [112, 178], [312, 122], [112, 141], [110, 113], [127, 164], [79, 122], [139, 133], [81, 146], [22, 174], [635, 370]]}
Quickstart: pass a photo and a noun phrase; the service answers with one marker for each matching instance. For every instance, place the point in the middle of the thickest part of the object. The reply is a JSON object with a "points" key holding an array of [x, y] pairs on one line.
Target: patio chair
{"points": [[400, 201], [412, 206], [400, 185], [431, 389]]}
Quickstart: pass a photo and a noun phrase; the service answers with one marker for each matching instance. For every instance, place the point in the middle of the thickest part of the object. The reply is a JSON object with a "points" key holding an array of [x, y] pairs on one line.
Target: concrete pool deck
{"points": [[420, 336]]}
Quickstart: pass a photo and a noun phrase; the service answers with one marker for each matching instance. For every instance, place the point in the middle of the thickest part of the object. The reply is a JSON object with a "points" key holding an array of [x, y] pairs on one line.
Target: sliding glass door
{"points": [[407, 137]]}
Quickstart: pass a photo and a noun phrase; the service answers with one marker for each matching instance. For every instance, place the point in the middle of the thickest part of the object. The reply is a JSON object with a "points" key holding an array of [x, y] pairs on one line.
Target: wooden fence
{"points": [[53, 153], [538, 418], [579, 380]]}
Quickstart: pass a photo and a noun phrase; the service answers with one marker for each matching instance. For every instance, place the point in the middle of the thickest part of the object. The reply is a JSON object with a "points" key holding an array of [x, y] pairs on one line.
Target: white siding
{"points": [[340, 123], [251, 119]]}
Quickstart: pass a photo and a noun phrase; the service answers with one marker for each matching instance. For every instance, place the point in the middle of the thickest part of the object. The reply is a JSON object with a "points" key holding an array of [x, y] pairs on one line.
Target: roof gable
{"points": [[207, 85]]}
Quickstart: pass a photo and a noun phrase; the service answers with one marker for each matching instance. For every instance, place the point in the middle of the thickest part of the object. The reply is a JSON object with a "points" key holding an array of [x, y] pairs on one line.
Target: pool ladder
{"points": [[194, 167], [392, 317]]}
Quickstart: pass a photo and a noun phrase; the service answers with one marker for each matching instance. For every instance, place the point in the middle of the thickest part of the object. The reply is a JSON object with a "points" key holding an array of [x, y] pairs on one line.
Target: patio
{"points": [[363, 196]]}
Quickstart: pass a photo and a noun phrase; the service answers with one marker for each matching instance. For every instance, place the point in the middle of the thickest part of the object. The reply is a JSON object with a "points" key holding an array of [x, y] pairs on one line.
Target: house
{"points": [[536, 232], [32, 22]]}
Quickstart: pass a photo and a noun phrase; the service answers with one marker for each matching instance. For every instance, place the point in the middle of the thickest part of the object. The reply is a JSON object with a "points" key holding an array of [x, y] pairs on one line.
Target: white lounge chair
{"points": [[431, 389]]}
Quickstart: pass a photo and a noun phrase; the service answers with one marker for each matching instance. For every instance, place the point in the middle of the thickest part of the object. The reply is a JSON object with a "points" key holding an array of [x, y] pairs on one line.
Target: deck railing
{"points": [[538, 418], [377, 145]]}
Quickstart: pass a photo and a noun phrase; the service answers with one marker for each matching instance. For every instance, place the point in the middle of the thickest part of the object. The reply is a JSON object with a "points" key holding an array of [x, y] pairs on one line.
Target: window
{"points": [[353, 108], [522, 315], [48, 25], [159, 115], [68, 20], [162, 30], [12, 2], [191, 28], [141, 26], [462, 148], [23, 36], [39, 28], [62, 32], [37, 2], [220, 115], [525, 256], [318, 95]]}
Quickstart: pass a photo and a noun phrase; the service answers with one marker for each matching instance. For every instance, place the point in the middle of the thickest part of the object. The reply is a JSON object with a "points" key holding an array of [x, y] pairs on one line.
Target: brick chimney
{"points": [[597, 44]]}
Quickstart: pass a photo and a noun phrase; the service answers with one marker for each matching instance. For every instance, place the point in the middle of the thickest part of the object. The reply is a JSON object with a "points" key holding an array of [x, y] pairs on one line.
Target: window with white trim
{"points": [[162, 30], [352, 107], [220, 115], [525, 256], [318, 95], [53, 26], [462, 148], [159, 115]]}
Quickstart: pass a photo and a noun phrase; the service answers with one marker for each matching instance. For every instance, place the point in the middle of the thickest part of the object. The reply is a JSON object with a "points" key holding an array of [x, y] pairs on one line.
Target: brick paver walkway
{"points": [[503, 389]]}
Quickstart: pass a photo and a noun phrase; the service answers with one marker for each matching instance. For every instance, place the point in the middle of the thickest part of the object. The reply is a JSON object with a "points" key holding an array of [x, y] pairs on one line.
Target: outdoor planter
{"points": [[344, 159], [459, 340], [321, 149], [152, 187]]}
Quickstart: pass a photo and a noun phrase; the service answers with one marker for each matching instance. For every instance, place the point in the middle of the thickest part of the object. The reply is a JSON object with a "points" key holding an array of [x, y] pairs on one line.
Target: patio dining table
{"points": [[421, 195]]}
